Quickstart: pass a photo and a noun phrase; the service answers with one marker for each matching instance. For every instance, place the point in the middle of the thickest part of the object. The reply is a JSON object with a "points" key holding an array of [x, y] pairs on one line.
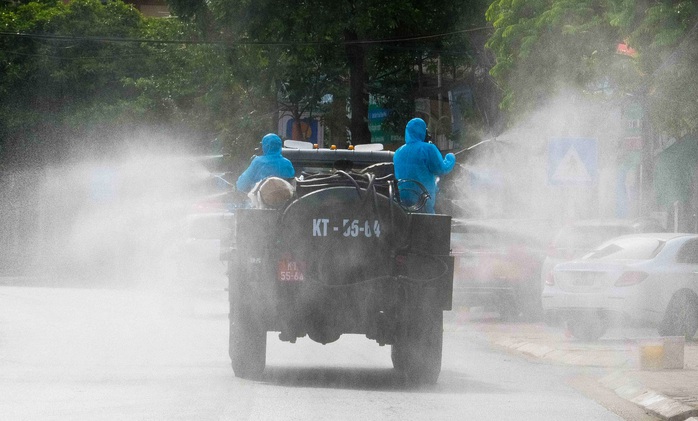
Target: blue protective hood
{"points": [[270, 164], [419, 161], [271, 144], [415, 131]]}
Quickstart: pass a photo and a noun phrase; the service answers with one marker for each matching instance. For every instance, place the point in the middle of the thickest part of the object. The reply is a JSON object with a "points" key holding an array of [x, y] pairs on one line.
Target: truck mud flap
{"points": [[429, 257]]}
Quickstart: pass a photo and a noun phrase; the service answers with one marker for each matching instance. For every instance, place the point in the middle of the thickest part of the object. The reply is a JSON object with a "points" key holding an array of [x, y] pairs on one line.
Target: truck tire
{"points": [[247, 347], [247, 344], [416, 353]]}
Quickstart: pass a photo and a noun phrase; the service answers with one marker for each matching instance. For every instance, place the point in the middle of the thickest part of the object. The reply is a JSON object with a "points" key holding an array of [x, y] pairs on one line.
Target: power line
{"points": [[75, 58], [407, 39], [53, 37]]}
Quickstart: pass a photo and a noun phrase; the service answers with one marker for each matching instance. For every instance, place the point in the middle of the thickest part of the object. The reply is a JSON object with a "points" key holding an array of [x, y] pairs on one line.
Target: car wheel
{"points": [[509, 308], [532, 303], [681, 316], [552, 319], [588, 328]]}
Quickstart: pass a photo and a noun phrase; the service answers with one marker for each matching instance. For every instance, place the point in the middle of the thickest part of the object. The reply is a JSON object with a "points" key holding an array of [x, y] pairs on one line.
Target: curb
{"points": [[654, 403], [550, 354]]}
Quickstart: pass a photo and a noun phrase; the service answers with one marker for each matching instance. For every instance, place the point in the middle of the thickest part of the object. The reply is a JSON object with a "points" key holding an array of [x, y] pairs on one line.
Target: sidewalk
{"points": [[668, 394]]}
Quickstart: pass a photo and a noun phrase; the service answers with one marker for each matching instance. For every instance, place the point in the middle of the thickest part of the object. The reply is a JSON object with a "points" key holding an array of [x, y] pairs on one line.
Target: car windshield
{"points": [[627, 249]]}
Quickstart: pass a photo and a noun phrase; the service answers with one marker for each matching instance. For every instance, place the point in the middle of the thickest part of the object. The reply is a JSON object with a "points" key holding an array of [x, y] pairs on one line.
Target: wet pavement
{"points": [[633, 374], [666, 393], [96, 354]]}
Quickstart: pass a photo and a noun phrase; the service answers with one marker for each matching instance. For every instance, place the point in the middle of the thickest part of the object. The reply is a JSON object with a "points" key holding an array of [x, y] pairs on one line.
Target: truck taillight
{"points": [[631, 278]]}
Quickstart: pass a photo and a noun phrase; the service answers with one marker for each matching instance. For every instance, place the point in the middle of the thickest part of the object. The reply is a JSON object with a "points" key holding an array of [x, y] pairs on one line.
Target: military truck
{"points": [[342, 256]]}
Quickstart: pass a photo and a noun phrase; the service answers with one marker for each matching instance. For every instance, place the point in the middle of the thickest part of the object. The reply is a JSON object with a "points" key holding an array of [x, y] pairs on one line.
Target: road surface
{"points": [[88, 354]]}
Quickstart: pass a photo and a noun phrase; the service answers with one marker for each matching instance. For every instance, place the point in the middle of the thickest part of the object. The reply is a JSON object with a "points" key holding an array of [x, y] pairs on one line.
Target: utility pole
{"points": [[646, 164]]}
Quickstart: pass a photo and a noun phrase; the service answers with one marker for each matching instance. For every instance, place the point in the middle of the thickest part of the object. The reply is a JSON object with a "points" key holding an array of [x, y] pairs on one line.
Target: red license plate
{"points": [[291, 271]]}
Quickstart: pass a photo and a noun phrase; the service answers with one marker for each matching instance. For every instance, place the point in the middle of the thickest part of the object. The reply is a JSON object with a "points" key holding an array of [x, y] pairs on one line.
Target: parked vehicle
{"points": [[198, 262], [194, 253], [650, 278], [498, 263], [575, 240]]}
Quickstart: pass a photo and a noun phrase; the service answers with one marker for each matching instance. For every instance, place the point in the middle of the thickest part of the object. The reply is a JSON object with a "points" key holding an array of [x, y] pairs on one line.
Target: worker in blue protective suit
{"points": [[420, 160], [270, 164]]}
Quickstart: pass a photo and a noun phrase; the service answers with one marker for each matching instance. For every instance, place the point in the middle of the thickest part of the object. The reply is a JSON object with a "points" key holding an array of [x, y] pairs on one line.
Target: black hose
{"points": [[423, 195], [353, 181]]}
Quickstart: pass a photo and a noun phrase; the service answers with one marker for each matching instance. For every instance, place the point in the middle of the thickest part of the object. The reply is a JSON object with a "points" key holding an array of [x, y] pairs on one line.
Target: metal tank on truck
{"points": [[342, 255]]}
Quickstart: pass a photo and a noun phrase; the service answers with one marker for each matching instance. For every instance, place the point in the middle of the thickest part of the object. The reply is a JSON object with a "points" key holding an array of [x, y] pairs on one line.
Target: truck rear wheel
{"points": [[417, 350], [247, 341], [247, 348]]}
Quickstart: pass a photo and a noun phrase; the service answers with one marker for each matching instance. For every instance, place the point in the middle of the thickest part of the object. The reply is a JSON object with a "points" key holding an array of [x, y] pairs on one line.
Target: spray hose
{"points": [[367, 185], [363, 181]]}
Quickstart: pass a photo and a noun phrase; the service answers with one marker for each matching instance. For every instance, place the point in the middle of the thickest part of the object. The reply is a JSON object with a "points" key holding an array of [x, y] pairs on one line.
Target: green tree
{"points": [[47, 79], [324, 45], [82, 75], [544, 46], [665, 34]]}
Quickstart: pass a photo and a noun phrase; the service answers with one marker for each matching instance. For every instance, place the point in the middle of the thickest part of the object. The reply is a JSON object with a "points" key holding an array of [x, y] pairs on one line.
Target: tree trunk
{"points": [[358, 90]]}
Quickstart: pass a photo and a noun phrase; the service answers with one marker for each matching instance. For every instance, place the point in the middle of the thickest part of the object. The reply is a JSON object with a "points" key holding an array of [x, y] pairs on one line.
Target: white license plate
{"points": [[586, 280]]}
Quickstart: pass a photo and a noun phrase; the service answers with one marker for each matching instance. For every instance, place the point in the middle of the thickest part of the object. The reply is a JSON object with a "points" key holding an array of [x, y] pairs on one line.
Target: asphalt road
{"points": [[80, 354]]}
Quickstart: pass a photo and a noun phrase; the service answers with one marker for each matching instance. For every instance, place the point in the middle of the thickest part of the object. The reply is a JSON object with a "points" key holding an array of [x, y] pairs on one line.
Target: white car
{"points": [[640, 277], [576, 239]]}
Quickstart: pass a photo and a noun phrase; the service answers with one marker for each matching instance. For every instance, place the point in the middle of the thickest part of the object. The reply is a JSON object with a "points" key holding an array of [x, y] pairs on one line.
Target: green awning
{"points": [[674, 170]]}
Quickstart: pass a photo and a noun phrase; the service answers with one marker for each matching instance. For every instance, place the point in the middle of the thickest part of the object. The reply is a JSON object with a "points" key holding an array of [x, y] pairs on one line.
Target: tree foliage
{"points": [[543, 46], [666, 36], [316, 47], [81, 75]]}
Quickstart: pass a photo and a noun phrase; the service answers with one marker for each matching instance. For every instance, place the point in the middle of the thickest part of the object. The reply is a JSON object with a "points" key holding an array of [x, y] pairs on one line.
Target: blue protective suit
{"points": [[421, 161], [270, 164]]}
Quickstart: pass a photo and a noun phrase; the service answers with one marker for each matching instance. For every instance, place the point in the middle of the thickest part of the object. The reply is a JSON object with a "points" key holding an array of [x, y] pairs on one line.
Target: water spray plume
{"points": [[208, 157], [509, 176], [213, 196], [220, 177], [211, 157]]}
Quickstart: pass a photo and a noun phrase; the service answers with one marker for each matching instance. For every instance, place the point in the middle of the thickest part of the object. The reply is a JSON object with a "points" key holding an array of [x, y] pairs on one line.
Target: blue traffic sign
{"points": [[573, 162]]}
